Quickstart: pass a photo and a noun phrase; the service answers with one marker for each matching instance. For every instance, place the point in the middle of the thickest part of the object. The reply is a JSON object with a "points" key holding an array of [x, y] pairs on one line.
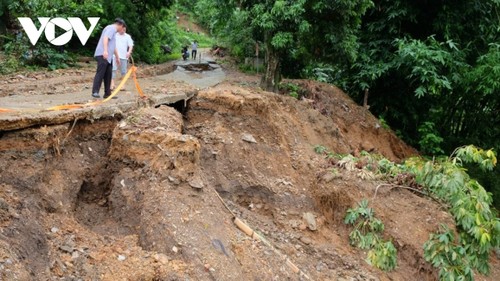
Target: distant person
{"points": [[124, 45], [194, 49], [185, 53], [104, 56]]}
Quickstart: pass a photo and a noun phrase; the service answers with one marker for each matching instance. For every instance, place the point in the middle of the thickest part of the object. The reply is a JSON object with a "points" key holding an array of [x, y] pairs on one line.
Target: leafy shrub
{"points": [[291, 89], [444, 179], [430, 141], [321, 72], [383, 123], [250, 69], [366, 235], [449, 256], [469, 203], [9, 65]]}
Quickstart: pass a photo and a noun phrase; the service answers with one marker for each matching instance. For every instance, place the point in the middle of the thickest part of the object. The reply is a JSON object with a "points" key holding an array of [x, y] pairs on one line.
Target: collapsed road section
{"points": [[30, 108]]}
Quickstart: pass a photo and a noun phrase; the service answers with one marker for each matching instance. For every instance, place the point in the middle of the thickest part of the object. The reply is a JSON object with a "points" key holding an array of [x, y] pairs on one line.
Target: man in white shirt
{"points": [[124, 46], [194, 49]]}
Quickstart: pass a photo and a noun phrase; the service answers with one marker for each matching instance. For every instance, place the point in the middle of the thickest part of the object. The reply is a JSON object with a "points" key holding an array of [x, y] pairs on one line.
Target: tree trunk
{"points": [[272, 76], [365, 100]]}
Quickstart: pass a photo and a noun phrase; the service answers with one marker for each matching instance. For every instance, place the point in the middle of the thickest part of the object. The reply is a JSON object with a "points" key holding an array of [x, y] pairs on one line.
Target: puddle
{"points": [[202, 74]]}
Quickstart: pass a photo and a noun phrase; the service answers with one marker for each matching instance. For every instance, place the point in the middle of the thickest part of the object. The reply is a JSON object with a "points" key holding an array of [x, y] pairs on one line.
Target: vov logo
{"points": [[49, 26]]}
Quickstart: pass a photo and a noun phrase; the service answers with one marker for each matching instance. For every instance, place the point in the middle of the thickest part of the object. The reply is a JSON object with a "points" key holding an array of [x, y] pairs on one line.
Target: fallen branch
{"points": [[406, 187], [254, 235]]}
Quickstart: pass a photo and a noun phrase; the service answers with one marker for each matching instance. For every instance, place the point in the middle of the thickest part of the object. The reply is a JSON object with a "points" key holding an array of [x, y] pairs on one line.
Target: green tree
{"points": [[299, 31]]}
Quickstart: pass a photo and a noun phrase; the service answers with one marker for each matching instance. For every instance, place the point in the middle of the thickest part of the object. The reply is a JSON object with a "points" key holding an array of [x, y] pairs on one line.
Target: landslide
{"points": [[134, 198]]}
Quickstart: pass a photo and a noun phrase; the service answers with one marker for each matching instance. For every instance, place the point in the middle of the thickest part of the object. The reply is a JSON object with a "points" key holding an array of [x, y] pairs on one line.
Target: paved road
{"points": [[163, 89]]}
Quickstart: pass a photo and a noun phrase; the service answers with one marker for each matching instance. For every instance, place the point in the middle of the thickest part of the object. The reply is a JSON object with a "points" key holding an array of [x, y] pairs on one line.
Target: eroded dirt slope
{"points": [[134, 199]]}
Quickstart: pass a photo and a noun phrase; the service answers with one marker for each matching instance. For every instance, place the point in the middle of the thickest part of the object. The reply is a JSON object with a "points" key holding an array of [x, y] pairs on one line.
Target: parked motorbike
{"points": [[185, 53]]}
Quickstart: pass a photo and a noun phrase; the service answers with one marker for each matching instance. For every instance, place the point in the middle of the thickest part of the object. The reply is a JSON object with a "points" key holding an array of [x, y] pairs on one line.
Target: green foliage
{"points": [[469, 203], [366, 235], [427, 64], [430, 141], [291, 89], [294, 31], [320, 72], [250, 69], [470, 154], [9, 65], [383, 123], [445, 72], [148, 23], [320, 149], [383, 256], [443, 252], [444, 179]]}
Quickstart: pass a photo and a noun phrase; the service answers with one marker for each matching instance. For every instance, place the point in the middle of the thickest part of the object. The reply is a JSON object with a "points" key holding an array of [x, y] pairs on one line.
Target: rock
{"points": [[161, 258], [294, 223], [54, 229], [302, 227], [4, 205], [66, 248], [305, 240], [175, 249], [75, 255], [196, 183], [248, 138], [310, 220], [121, 257], [319, 267], [174, 180]]}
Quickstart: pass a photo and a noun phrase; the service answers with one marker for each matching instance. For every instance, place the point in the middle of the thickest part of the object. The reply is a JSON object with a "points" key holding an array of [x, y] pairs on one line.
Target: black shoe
{"points": [[113, 98]]}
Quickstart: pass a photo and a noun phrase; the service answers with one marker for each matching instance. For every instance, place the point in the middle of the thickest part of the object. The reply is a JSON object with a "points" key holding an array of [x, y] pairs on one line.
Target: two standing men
{"points": [[105, 49]]}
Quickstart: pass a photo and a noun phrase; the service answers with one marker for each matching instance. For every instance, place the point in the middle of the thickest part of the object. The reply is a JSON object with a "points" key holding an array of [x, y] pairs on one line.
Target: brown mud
{"points": [[132, 197]]}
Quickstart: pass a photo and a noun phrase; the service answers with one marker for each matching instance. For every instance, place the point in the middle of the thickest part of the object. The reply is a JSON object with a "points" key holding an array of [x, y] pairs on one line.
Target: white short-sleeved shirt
{"points": [[123, 43]]}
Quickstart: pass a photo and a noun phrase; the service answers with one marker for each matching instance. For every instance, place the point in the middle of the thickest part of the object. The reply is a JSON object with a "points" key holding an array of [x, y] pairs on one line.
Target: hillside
{"points": [[133, 196]]}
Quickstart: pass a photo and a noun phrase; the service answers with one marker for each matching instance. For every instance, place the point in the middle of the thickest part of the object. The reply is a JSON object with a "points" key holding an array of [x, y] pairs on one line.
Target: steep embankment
{"points": [[134, 199]]}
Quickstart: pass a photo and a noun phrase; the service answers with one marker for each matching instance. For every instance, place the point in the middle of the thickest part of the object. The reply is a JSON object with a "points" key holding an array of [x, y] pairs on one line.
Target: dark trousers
{"points": [[103, 72], [193, 54]]}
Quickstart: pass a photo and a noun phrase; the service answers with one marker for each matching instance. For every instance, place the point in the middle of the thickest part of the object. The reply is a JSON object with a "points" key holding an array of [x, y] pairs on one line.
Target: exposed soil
{"points": [[133, 197], [188, 25]]}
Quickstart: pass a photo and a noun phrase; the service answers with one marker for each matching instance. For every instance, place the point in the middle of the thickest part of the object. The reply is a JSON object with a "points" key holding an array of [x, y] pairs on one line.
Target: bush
{"points": [[292, 90], [366, 235], [446, 180]]}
